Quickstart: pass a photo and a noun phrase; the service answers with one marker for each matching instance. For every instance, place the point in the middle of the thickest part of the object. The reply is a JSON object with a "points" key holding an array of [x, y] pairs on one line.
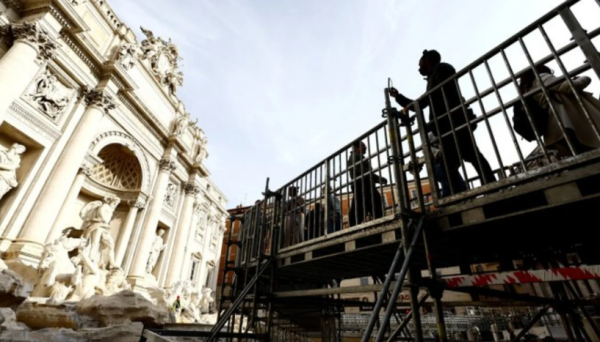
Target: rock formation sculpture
{"points": [[10, 161], [157, 247]]}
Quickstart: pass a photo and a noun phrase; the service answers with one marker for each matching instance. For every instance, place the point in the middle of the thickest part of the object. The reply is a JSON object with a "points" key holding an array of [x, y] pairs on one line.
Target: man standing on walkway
{"points": [[430, 66]]}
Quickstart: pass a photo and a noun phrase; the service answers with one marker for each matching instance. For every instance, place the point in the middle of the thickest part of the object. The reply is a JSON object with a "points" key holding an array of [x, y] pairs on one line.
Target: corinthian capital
{"points": [[166, 165], [192, 189], [100, 99], [33, 34]]}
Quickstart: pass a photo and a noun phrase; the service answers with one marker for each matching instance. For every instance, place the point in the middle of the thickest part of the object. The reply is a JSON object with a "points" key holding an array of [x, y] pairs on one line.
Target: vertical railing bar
{"points": [[311, 234], [547, 96], [442, 148], [520, 94], [484, 179], [381, 187], [581, 38], [503, 108], [569, 81], [389, 167], [462, 162], [326, 191], [371, 180], [426, 151], [486, 119]]}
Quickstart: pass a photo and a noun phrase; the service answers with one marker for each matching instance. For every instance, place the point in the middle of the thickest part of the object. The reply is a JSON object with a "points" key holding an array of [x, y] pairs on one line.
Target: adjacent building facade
{"points": [[88, 114]]}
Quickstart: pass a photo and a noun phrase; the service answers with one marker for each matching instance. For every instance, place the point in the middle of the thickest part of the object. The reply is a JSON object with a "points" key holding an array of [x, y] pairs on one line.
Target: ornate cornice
{"points": [[166, 165], [100, 99], [35, 122], [85, 58]]}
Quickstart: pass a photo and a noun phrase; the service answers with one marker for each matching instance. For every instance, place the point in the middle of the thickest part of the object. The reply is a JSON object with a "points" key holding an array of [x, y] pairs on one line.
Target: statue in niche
{"points": [[183, 122], [171, 194], [10, 161], [126, 55], [96, 217], [157, 247], [49, 95]]}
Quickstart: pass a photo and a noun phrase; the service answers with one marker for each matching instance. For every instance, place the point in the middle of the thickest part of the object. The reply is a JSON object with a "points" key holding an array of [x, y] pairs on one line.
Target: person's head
{"points": [[526, 80], [160, 232], [293, 191], [428, 61], [359, 147], [18, 148]]}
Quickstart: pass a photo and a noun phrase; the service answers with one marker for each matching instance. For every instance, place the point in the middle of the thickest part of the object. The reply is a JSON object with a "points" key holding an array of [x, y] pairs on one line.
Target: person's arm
{"points": [[580, 83], [405, 101]]}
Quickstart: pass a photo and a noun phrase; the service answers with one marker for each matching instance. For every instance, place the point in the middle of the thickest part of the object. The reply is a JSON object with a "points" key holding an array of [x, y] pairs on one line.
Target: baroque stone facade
{"points": [[103, 186]]}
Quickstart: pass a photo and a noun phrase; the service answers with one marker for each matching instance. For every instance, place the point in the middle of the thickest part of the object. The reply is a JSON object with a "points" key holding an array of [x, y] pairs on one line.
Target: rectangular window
{"points": [[209, 275], [194, 269], [364, 281], [413, 194]]}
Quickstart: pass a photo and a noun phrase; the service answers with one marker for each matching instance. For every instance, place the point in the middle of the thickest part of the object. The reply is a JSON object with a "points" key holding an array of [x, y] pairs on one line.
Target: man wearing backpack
{"points": [[430, 66]]}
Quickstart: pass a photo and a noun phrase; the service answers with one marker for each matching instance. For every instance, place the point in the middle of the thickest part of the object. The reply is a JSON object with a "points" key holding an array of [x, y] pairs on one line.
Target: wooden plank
{"points": [[531, 186], [388, 236], [473, 216], [350, 246], [563, 193]]}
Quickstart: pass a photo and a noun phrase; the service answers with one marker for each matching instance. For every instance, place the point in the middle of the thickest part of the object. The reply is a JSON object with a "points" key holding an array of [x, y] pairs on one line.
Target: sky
{"points": [[278, 85]]}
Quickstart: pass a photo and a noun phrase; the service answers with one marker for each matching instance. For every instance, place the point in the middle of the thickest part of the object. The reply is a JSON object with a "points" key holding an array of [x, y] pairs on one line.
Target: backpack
{"points": [[539, 116]]}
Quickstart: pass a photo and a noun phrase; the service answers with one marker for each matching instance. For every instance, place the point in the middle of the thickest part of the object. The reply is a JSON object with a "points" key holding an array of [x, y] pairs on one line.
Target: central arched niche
{"points": [[120, 168]]}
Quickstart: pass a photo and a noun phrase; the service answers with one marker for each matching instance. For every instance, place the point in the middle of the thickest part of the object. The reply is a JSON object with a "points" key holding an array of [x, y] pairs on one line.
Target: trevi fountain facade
{"points": [[108, 217]]}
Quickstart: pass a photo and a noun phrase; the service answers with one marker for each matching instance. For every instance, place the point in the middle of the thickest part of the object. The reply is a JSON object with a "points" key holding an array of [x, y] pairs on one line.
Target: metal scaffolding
{"points": [[375, 209]]}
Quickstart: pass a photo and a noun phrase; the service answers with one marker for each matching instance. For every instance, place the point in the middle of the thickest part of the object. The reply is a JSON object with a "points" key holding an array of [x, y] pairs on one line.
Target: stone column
{"points": [[36, 228], [125, 238], [138, 267], [32, 47], [67, 208], [179, 247]]}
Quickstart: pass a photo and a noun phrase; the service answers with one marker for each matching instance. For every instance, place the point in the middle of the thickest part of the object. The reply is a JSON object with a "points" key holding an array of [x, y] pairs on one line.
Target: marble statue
{"points": [[96, 217], [49, 95], [173, 80], [202, 149], [10, 161], [157, 247], [126, 55], [55, 269], [182, 122], [171, 194], [206, 300], [91, 270]]}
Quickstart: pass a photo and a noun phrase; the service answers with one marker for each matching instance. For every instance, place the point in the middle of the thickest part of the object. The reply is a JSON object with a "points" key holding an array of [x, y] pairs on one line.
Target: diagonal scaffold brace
{"points": [[263, 263], [418, 226]]}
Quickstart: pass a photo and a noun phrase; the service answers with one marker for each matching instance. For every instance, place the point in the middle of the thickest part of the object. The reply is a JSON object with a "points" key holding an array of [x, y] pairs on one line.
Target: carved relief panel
{"points": [[172, 194], [49, 95]]}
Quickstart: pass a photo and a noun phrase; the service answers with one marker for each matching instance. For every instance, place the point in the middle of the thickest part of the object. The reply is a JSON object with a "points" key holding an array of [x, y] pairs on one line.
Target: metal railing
{"points": [[356, 185]]}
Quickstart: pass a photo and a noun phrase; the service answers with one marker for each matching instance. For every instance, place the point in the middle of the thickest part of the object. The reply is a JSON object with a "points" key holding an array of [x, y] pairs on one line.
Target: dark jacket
{"points": [[440, 73]]}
